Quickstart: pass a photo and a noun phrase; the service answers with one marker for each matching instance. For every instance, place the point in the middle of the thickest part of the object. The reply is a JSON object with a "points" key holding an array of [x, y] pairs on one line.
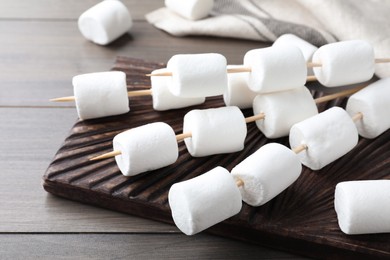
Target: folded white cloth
{"points": [[318, 22]]}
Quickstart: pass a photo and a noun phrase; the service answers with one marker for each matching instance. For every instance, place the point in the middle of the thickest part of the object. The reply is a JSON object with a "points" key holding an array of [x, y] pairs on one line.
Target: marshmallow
{"points": [[276, 68], [100, 94], [328, 136], [197, 75], [145, 148], [306, 48], [105, 22], [263, 178], [282, 110], [374, 103], [191, 9], [215, 131], [237, 92], [363, 207], [163, 99], [344, 63], [204, 201]]}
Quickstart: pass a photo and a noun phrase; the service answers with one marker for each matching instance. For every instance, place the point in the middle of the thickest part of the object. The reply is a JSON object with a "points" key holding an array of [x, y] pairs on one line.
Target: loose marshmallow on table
{"points": [[100, 94], [204, 201], [363, 207], [276, 68], [105, 22], [163, 99], [215, 131], [191, 9], [374, 103], [282, 110], [306, 48], [145, 148], [266, 173], [328, 136], [237, 92], [198, 75], [344, 63]]}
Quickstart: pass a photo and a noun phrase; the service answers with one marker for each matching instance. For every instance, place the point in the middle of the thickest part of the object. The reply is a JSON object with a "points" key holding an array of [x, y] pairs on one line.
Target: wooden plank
{"points": [[39, 58], [70, 9], [131, 246], [29, 139], [301, 219]]}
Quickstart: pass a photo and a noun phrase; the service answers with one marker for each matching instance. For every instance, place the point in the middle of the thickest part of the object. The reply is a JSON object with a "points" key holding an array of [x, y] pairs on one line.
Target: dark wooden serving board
{"points": [[301, 219]]}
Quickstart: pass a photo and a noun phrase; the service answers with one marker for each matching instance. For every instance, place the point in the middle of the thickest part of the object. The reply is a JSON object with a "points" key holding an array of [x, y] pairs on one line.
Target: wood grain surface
{"points": [[301, 219]]}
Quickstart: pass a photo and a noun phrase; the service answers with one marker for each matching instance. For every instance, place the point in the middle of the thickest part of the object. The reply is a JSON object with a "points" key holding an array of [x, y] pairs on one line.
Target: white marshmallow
{"points": [[263, 177], [328, 136], [363, 207], [191, 9], [237, 92], [145, 148], [282, 110], [344, 63], [276, 68], [374, 103], [198, 75], [215, 131], [163, 99], [100, 94], [105, 22], [306, 48], [204, 201]]}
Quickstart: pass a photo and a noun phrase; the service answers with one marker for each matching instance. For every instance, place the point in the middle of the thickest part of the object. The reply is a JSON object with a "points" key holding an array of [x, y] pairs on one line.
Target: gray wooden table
{"points": [[41, 50]]}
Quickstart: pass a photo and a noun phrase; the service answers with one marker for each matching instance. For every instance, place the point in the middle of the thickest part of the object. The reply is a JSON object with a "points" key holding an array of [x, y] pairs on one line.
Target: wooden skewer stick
{"points": [[357, 117], [338, 94], [300, 148], [311, 78], [254, 118], [229, 70], [134, 93], [239, 182], [106, 155], [183, 136]]}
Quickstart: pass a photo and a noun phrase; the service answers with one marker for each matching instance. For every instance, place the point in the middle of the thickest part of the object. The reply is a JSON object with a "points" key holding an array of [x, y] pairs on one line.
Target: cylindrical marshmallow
{"points": [[363, 207], [191, 9], [105, 22], [204, 201], [344, 63], [276, 68], [145, 148], [282, 110], [237, 92], [163, 99], [266, 173], [306, 48], [215, 131], [374, 103], [100, 94], [198, 75], [328, 136]]}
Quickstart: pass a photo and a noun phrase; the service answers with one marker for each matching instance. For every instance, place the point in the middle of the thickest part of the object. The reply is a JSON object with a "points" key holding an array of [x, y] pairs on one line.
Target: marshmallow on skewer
{"points": [[306, 48], [145, 148], [277, 68], [100, 94], [215, 131], [191, 9], [163, 99], [266, 173], [105, 22], [204, 201], [282, 110], [374, 103], [344, 63], [237, 92], [363, 207], [328, 136], [197, 75]]}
